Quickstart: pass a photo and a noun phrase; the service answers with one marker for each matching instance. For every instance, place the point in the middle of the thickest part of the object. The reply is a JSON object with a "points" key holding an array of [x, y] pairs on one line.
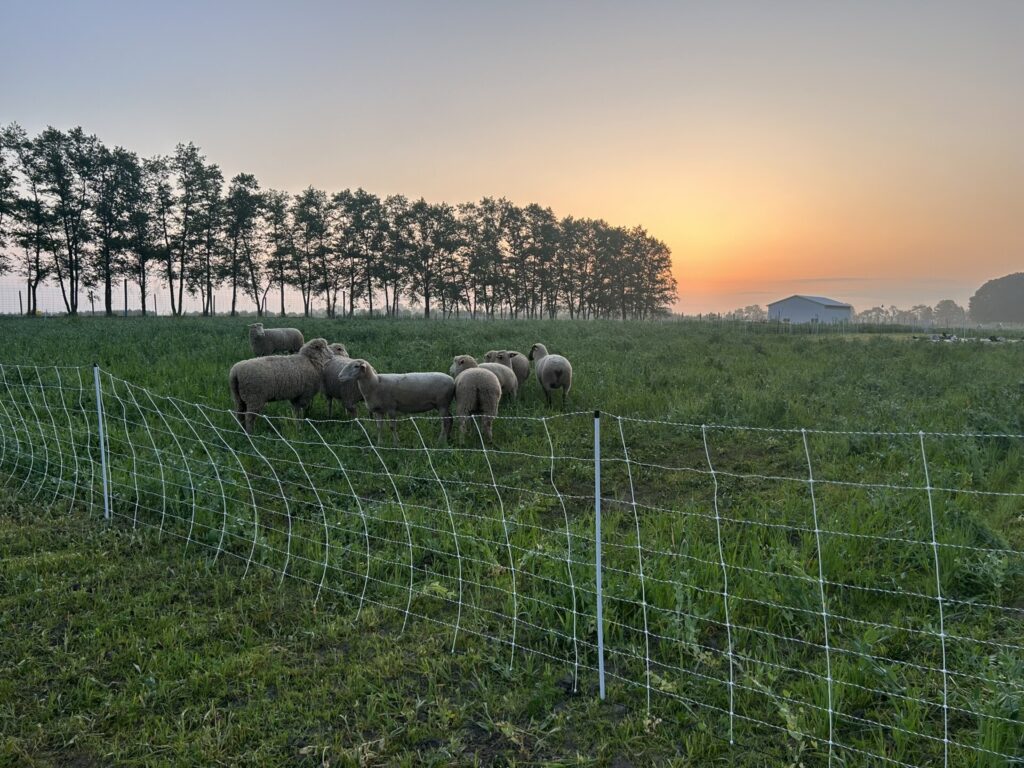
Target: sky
{"points": [[865, 150]]}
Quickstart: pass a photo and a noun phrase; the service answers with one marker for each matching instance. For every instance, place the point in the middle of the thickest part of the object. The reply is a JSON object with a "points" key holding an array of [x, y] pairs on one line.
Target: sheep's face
{"points": [[339, 350], [256, 328], [536, 351], [461, 363], [492, 356], [502, 358], [355, 370]]}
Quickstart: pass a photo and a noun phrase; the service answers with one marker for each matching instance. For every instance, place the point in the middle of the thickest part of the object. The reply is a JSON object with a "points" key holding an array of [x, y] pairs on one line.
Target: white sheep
{"points": [[553, 371], [514, 360], [506, 376], [477, 391], [335, 389], [388, 394], [261, 380], [267, 341]]}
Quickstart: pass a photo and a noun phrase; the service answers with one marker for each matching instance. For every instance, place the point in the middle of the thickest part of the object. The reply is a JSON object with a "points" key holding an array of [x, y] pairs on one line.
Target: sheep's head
{"points": [[502, 357], [537, 351], [317, 351], [460, 364], [492, 356], [357, 369], [256, 327], [338, 350]]}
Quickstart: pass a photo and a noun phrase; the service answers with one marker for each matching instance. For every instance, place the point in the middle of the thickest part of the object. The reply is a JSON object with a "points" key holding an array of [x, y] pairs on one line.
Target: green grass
{"points": [[212, 638]]}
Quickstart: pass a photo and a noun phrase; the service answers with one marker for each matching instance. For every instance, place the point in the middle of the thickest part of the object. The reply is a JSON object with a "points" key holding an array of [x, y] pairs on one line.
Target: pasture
{"points": [[313, 597]]}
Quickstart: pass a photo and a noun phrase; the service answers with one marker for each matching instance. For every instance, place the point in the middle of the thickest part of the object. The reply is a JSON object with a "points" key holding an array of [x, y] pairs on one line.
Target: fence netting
{"points": [[855, 597]]}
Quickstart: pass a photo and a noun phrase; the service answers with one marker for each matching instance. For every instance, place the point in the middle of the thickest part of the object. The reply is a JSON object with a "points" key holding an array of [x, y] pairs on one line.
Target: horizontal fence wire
{"points": [[858, 594]]}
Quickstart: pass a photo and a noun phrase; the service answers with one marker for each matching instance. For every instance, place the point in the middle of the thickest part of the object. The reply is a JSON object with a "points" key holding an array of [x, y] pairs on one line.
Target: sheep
{"points": [[270, 340], [514, 360], [262, 380], [335, 389], [553, 371], [506, 376], [388, 394], [477, 390]]}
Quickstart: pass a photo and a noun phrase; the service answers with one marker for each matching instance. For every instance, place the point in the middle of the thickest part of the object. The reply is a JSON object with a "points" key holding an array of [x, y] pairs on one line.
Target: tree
{"points": [[179, 214], [311, 216], [949, 314], [431, 237], [208, 264], [280, 239], [999, 301], [244, 209], [141, 242], [69, 164], [33, 220], [115, 192], [366, 235], [8, 196]]}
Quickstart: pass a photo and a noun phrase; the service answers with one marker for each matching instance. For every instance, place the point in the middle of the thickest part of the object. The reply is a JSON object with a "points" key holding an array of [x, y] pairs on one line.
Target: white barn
{"points": [[810, 309]]}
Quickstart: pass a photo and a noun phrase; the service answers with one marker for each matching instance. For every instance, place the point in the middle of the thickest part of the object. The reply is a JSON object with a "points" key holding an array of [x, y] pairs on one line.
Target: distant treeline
{"points": [[79, 213]]}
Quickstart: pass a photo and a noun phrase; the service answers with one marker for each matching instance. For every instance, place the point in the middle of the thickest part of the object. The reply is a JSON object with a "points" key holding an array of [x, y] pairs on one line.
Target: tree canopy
{"points": [[74, 210], [1000, 300]]}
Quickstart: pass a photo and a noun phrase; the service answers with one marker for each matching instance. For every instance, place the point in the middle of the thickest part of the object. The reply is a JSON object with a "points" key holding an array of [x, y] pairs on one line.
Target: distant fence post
{"points": [[21, 308], [597, 553], [126, 297], [103, 440]]}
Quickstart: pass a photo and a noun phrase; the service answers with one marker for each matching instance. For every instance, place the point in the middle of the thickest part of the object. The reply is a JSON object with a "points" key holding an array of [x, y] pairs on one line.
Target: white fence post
{"points": [[597, 552], [103, 439]]}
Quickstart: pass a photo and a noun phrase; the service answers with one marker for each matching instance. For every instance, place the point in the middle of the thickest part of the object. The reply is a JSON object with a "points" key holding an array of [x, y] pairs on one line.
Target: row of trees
{"points": [[83, 215], [947, 313]]}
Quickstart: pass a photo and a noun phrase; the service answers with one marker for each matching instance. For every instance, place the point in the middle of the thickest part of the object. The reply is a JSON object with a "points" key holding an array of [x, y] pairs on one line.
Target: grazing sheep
{"points": [[514, 360], [335, 389], [506, 376], [553, 371], [388, 394], [267, 341], [262, 380], [477, 390]]}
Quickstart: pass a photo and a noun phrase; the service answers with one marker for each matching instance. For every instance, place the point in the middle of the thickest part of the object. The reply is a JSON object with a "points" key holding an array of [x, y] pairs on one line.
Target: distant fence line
{"points": [[852, 593]]}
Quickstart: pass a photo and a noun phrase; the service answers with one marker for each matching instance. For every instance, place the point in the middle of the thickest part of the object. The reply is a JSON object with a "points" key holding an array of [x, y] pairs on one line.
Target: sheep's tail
{"points": [[558, 376]]}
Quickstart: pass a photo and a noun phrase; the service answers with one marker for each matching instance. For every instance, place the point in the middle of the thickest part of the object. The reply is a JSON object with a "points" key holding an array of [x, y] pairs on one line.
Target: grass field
{"points": [[125, 649]]}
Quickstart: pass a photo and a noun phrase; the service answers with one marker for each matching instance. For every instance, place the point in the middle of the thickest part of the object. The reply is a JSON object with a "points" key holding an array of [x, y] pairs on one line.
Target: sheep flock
{"points": [[315, 367]]}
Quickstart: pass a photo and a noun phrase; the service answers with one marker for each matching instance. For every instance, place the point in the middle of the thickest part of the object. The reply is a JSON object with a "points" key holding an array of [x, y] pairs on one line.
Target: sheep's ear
{"points": [[513, 354]]}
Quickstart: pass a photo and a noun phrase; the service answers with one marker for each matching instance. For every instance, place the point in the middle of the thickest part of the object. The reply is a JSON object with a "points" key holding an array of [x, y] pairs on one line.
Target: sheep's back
{"points": [[275, 378]]}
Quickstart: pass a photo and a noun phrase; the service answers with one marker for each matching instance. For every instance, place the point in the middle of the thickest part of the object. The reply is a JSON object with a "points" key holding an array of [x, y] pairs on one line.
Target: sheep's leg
{"points": [[351, 410], [380, 426], [394, 430], [547, 395], [330, 407], [250, 421], [446, 425], [488, 423]]}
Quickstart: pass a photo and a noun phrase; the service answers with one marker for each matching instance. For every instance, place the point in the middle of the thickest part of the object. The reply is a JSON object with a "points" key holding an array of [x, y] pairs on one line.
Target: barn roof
{"points": [[823, 300]]}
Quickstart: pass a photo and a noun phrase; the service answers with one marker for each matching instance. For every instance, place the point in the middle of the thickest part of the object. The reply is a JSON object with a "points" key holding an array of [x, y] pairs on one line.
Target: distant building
{"points": [[810, 309]]}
